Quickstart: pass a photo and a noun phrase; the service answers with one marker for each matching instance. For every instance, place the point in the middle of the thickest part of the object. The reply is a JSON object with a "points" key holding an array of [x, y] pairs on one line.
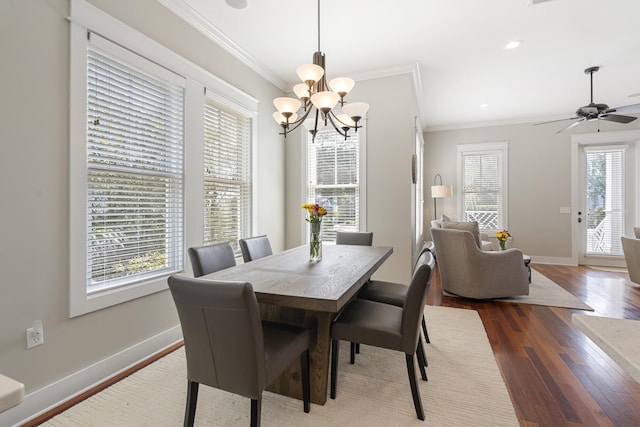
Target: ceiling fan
{"points": [[597, 111]]}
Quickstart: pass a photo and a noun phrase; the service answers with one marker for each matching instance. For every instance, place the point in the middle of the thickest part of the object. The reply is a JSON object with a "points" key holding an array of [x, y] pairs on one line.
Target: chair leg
{"points": [[422, 360], [424, 355], [192, 399], [335, 348], [424, 330], [415, 392], [256, 409], [306, 389], [352, 353], [357, 348]]}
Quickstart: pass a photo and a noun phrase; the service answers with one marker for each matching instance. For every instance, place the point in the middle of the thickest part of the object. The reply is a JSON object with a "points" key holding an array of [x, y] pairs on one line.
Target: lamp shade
{"points": [[310, 72], [439, 191], [301, 90], [356, 110], [287, 105], [325, 101], [342, 85]]}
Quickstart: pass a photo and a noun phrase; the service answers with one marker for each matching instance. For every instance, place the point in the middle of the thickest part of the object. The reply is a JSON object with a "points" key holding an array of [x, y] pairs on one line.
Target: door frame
{"points": [[631, 138]]}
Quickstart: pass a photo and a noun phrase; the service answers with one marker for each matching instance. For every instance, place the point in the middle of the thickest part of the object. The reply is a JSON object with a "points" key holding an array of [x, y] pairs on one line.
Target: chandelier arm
{"points": [[297, 123], [331, 116]]}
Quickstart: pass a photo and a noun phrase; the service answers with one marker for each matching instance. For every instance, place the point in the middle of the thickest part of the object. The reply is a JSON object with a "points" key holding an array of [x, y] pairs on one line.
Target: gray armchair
{"points": [[467, 271], [631, 248]]}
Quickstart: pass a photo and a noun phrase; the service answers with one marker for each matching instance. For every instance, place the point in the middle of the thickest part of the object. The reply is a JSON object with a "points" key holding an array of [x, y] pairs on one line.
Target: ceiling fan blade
{"points": [[634, 108], [617, 118], [555, 121], [571, 125]]}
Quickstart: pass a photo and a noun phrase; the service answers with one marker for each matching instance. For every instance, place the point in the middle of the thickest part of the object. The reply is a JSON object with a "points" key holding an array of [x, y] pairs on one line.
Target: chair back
{"points": [[415, 301], [631, 248], [223, 337], [361, 238], [255, 247], [211, 258]]}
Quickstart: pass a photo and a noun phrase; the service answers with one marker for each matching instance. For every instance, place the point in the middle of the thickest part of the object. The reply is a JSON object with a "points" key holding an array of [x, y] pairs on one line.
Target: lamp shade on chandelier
{"points": [[317, 102]]}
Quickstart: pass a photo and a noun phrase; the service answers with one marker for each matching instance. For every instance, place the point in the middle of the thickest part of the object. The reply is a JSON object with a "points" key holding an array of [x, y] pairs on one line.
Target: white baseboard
{"points": [[54, 394], [552, 260]]}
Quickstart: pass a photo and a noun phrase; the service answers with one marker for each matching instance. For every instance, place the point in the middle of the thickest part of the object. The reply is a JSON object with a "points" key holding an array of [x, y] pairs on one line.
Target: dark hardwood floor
{"points": [[555, 375]]}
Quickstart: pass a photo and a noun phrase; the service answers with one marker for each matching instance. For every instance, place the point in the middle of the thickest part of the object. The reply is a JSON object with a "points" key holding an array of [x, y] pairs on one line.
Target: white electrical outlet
{"points": [[35, 334]]}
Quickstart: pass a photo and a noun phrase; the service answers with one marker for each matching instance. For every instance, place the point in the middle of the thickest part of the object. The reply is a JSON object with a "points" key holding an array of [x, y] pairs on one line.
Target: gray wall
{"points": [[34, 272], [539, 180], [390, 144]]}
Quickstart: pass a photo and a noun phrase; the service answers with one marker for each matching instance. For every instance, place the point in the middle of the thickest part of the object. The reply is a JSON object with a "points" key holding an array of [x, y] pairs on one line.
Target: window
{"points": [[334, 170], [227, 174], [136, 111], [134, 169], [482, 192]]}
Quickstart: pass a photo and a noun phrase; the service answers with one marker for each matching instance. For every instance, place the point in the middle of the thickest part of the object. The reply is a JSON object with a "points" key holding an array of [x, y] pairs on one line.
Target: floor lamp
{"points": [[438, 191]]}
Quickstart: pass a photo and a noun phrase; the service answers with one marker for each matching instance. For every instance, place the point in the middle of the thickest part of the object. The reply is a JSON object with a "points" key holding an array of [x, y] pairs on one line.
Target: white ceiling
{"points": [[457, 46]]}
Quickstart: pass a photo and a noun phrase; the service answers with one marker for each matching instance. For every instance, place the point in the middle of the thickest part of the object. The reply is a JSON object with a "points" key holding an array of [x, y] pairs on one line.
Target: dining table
{"points": [[294, 290]]}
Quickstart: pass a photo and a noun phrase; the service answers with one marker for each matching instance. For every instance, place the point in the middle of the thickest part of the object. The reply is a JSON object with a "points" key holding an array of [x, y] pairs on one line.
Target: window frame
{"points": [[85, 18], [362, 173], [501, 148]]}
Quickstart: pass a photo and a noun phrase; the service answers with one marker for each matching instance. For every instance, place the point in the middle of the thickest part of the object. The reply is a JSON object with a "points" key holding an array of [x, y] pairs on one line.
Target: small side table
{"points": [[527, 263]]}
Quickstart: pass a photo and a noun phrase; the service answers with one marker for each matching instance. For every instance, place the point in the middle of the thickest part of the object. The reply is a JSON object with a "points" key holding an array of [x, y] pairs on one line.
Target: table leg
{"points": [[289, 383]]}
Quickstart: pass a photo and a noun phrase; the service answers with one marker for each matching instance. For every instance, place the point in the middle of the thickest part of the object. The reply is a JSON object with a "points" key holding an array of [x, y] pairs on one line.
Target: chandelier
{"points": [[318, 101]]}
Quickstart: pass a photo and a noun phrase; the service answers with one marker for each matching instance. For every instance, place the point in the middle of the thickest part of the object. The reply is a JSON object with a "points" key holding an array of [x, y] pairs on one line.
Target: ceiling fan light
{"points": [[287, 105], [342, 85], [310, 73], [356, 109], [325, 100]]}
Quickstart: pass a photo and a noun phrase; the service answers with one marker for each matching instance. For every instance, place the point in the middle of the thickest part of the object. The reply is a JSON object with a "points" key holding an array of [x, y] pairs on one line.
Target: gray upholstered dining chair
{"points": [[362, 238], [255, 247], [359, 238], [631, 249], [228, 347], [211, 258], [394, 293], [387, 326]]}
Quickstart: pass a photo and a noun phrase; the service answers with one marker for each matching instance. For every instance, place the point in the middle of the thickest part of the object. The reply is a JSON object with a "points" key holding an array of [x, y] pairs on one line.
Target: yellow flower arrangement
{"points": [[502, 237], [316, 212]]}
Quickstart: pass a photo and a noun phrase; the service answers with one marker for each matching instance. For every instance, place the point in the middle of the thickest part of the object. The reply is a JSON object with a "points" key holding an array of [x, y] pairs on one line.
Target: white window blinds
{"points": [[482, 190], [227, 175], [134, 167], [333, 170], [605, 177]]}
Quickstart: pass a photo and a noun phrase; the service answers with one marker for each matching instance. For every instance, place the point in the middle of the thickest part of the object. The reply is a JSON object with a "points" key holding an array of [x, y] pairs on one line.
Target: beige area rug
{"points": [[614, 337], [465, 388], [543, 291]]}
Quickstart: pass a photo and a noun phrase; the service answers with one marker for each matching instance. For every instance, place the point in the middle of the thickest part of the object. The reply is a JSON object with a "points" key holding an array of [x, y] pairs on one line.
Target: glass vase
{"points": [[503, 245], [315, 242]]}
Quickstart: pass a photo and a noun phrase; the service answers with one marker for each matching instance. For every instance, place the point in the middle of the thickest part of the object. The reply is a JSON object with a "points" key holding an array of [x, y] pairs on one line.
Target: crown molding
{"points": [[197, 21]]}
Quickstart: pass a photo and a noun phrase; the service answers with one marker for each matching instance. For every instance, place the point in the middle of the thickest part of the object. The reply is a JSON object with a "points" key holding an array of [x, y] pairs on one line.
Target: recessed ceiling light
{"points": [[513, 44], [237, 4], [485, 105]]}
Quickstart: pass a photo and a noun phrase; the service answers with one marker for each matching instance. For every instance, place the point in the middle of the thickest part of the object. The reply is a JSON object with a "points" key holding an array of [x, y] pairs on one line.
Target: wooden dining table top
{"points": [[290, 279]]}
